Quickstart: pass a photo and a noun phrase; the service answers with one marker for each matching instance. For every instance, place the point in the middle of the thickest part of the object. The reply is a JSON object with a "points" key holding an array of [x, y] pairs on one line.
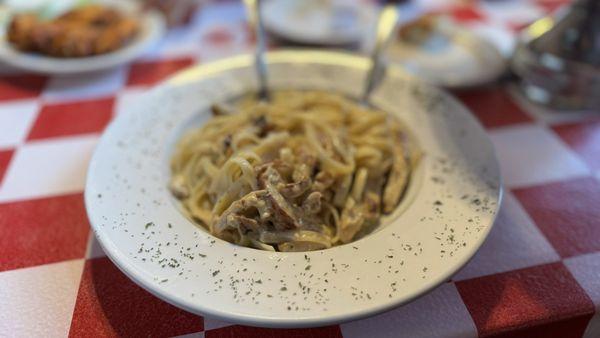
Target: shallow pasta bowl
{"points": [[445, 216]]}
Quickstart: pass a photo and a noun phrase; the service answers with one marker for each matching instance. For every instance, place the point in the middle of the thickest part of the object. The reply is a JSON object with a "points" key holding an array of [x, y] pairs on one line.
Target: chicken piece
{"points": [[351, 221], [253, 200], [284, 217], [271, 206], [219, 109], [370, 207], [302, 182], [270, 176], [397, 180], [20, 31], [283, 214], [178, 187], [244, 224], [312, 203], [118, 35]]}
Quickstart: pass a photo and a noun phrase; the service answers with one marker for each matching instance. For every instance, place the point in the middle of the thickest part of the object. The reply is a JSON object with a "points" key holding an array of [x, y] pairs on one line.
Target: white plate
{"points": [[449, 210], [152, 28], [461, 60], [322, 22]]}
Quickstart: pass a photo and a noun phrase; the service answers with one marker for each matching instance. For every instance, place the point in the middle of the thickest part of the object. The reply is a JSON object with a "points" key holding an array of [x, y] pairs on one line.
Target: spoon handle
{"points": [[255, 21], [386, 24]]}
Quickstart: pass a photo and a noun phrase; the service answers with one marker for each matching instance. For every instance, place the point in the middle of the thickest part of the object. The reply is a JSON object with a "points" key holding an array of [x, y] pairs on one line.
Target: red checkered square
{"points": [[150, 72], [5, 156], [551, 5], [111, 305], [567, 213], [256, 332], [72, 118], [250, 36], [218, 36], [42, 231], [541, 301], [516, 27], [493, 107], [15, 87], [466, 13], [584, 138]]}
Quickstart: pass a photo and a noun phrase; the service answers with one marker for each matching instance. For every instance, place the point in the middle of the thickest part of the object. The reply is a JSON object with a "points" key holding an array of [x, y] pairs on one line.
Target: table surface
{"points": [[537, 275]]}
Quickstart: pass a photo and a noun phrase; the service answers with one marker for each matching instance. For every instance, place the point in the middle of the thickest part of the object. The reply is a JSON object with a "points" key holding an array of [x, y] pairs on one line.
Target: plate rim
{"points": [[118, 257]]}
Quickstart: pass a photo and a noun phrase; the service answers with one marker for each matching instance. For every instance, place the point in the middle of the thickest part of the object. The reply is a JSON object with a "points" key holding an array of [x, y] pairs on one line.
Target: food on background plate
{"points": [[306, 171], [419, 30], [427, 29], [176, 12], [83, 31]]}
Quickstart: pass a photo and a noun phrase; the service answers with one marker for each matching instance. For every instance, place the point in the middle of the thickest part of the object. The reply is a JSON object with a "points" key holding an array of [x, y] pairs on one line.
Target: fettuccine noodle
{"points": [[306, 171]]}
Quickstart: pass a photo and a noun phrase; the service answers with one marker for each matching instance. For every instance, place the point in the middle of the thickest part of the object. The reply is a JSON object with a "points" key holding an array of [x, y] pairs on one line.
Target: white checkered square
{"points": [[178, 42], [93, 85], [514, 243], [15, 120], [546, 115], [39, 301], [227, 12], [586, 269], [211, 324], [127, 98], [48, 167], [441, 313], [514, 12], [532, 154], [94, 249]]}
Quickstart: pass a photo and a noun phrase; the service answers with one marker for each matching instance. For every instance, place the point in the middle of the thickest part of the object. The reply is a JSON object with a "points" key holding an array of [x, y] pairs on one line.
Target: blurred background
{"points": [[549, 48]]}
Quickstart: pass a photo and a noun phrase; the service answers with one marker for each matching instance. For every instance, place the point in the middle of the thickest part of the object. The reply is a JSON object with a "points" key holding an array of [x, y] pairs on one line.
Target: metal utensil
{"points": [[558, 58], [255, 21], [386, 25]]}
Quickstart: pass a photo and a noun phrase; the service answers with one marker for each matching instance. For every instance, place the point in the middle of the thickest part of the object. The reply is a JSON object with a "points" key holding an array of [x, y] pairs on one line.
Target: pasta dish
{"points": [[306, 171]]}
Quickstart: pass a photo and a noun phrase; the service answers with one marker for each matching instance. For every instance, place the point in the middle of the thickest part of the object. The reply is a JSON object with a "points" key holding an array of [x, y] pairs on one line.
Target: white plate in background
{"points": [[322, 22], [152, 28], [453, 57]]}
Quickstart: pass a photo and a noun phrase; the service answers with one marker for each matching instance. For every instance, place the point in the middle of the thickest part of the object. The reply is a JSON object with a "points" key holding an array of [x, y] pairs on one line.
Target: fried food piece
{"points": [[417, 31], [118, 35], [91, 15], [84, 31], [20, 31]]}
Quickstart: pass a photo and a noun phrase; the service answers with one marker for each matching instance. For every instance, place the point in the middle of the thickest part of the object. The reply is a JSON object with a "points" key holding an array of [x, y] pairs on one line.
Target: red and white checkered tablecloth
{"points": [[538, 274]]}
